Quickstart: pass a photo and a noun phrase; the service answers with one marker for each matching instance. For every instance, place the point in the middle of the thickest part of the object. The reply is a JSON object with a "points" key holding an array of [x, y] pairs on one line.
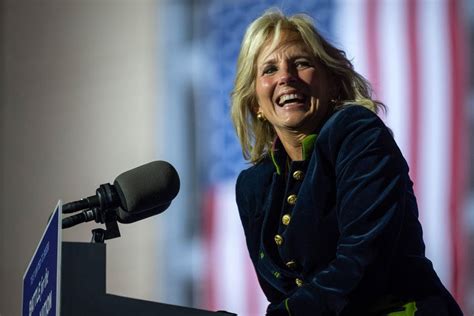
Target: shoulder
{"points": [[350, 116], [249, 177], [355, 128], [252, 181], [351, 121]]}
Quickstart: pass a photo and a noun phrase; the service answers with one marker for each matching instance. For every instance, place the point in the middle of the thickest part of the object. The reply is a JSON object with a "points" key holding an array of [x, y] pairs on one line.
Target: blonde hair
{"points": [[256, 136]]}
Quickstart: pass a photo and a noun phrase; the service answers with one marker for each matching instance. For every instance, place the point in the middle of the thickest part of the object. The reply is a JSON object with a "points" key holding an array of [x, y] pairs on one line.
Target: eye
{"points": [[269, 69], [303, 63]]}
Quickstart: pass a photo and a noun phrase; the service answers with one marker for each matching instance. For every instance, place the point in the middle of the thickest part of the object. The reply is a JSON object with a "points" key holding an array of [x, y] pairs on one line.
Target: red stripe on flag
{"points": [[458, 145], [413, 87], [373, 45], [251, 287], [208, 227]]}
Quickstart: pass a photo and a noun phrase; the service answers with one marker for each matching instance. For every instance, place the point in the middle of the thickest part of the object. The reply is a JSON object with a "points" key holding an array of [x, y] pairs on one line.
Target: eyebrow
{"points": [[273, 60], [268, 62]]}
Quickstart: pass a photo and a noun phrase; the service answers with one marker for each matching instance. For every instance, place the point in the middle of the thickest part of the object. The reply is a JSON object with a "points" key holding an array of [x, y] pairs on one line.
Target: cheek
{"points": [[317, 86], [312, 79], [319, 82], [263, 87]]}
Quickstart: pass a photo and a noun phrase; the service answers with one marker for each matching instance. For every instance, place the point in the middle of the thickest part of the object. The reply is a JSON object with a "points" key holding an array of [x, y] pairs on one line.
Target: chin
{"points": [[302, 123], [295, 123]]}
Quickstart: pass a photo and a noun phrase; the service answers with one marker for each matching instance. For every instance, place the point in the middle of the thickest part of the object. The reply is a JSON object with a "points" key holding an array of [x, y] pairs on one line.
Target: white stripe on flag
{"points": [[435, 126], [349, 23], [393, 88]]}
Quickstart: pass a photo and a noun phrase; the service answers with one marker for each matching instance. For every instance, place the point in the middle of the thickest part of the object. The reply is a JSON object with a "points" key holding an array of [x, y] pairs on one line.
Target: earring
{"points": [[335, 102], [315, 102], [260, 116]]}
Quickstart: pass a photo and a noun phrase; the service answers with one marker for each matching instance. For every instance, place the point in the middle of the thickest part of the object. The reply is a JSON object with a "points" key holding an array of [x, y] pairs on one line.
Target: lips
{"points": [[288, 98]]}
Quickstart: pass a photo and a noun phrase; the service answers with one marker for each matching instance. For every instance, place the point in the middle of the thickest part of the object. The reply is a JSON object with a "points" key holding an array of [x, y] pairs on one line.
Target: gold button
{"points": [[278, 240], [299, 282], [291, 264], [298, 175], [291, 199], [286, 219]]}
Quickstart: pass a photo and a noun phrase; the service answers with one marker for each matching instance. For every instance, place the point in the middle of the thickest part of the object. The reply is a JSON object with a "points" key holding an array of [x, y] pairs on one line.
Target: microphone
{"points": [[135, 194]]}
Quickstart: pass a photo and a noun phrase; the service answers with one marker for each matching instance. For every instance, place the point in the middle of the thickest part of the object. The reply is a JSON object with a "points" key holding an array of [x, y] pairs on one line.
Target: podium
{"points": [[83, 288], [68, 279]]}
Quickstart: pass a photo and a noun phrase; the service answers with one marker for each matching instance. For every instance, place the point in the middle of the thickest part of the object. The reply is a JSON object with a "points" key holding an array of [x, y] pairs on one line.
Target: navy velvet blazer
{"points": [[349, 240]]}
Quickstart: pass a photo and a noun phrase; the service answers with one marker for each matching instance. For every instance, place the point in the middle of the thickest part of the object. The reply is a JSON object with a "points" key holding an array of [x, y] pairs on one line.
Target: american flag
{"points": [[413, 53]]}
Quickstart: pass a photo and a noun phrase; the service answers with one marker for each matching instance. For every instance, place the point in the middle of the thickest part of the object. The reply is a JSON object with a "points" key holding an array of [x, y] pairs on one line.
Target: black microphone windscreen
{"points": [[148, 186]]}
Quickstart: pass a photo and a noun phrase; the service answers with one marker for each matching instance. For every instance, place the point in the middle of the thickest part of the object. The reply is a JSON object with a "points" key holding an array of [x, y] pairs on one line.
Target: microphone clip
{"points": [[99, 215], [99, 235], [109, 217]]}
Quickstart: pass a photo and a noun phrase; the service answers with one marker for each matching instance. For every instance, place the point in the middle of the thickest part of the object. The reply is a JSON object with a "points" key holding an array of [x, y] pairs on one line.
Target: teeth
{"points": [[287, 97]]}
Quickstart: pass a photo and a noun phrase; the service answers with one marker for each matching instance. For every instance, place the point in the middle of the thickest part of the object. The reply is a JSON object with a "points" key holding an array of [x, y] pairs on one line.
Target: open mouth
{"points": [[287, 99]]}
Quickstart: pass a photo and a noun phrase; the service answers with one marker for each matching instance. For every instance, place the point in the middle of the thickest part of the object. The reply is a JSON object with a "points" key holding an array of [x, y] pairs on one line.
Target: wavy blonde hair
{"points": [[256, 136]]}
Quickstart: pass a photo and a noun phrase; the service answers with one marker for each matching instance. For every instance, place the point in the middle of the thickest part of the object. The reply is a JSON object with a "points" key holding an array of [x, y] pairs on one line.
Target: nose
{"points": [[287, 75]]}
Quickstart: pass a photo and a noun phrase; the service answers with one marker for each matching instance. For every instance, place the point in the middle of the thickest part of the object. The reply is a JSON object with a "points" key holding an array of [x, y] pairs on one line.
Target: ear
{"points": [[255, 108]]}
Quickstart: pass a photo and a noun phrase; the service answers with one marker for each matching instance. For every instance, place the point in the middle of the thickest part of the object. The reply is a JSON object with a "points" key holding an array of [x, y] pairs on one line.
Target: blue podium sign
{"points": [[41, 281]]}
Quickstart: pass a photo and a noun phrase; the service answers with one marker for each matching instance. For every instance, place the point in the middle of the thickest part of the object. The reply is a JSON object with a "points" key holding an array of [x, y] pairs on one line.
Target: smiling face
{"points": [[291, 86]]}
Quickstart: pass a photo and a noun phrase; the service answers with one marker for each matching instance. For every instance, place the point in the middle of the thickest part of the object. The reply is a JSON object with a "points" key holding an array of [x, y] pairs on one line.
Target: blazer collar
{"points": [[279, 156]]}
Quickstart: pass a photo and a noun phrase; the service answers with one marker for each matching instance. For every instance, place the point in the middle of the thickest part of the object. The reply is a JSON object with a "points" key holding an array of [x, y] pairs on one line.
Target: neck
{"points": [[292, 142]]}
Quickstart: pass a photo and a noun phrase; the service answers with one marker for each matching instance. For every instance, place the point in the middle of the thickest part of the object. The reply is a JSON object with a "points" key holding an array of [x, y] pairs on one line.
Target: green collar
{"points": [[279, 156]]}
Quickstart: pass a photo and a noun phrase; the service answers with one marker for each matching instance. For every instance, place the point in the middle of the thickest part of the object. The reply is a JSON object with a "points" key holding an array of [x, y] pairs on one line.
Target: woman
{"points": [[328, 209]]}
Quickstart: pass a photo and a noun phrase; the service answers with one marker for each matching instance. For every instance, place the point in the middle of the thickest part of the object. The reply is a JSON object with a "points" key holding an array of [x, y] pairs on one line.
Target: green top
{"points": [[306, 147]]}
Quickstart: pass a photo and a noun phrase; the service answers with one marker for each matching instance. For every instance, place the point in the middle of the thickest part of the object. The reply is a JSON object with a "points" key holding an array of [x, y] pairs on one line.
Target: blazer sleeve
{"points": [[371, 184]]}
